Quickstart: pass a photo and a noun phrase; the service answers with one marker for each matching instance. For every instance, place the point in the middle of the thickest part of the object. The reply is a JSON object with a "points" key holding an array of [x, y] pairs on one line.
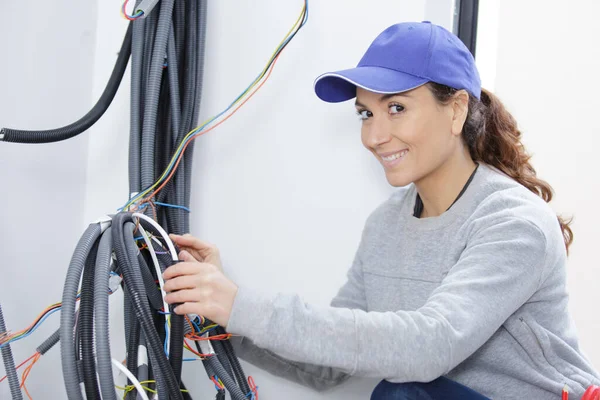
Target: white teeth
{"points": [[395, 156]]}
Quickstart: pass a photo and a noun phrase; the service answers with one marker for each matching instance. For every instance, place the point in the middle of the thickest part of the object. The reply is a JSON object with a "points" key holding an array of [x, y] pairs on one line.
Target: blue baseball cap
{"points": [[404, 57]]}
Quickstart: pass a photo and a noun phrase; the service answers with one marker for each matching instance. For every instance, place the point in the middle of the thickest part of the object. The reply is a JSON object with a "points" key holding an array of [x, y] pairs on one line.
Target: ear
{"points": [[460, 108]]}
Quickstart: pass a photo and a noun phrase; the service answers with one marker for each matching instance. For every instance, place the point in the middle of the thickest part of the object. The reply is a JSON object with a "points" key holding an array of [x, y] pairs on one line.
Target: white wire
{"points": [[136, 383], [161, 281], [162, 232]]}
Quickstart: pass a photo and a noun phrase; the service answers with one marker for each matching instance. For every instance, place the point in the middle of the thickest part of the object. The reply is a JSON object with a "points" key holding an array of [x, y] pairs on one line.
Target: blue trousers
{"points": [[441, 388]]}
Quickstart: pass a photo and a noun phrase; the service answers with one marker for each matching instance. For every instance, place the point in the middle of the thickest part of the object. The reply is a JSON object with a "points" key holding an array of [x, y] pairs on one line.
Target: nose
{"points": [[376, 133]]}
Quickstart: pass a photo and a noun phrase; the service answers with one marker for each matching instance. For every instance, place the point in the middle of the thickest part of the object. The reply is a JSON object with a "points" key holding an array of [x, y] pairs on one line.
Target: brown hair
{"points": [[491, 134]]}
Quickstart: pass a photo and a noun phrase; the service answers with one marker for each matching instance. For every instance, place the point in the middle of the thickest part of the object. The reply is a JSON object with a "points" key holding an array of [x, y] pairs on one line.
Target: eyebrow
{"points": [[383, 98]]}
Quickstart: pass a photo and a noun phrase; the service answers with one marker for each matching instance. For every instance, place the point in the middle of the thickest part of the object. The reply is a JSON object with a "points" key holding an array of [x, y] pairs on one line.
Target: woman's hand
{"points": [[200, 250], [200, 288]]}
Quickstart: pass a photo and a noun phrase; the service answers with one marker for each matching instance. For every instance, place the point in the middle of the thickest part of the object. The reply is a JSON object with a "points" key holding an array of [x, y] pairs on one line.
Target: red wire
{"points": [[253, 387], [124, 10]]}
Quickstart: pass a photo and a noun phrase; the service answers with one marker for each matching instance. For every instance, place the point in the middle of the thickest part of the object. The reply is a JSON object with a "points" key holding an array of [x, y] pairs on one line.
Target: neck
{"points": [[440, 188]]}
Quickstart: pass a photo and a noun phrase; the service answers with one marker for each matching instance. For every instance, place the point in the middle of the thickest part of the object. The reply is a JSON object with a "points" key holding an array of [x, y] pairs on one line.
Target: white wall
{"points": [[45, 82], [543, 58]]}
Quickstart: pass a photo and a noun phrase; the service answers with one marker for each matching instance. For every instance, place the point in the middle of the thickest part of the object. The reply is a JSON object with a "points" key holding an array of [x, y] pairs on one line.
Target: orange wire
{"points": [[7, 337], [208, 130], [195, 352], [20, 365], [26, 374]]}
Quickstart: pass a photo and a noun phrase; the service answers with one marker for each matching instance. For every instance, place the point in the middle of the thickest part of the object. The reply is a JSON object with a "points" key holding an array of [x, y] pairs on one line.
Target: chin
{"points": [[398, 179]]}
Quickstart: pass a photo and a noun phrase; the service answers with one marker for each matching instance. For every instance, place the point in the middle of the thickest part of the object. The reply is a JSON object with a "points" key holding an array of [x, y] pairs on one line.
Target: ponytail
{"points": [[492, 136]]}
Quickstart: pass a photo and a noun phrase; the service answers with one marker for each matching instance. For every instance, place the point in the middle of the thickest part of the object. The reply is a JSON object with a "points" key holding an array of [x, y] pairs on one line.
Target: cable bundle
{"points": [[131, 249]]}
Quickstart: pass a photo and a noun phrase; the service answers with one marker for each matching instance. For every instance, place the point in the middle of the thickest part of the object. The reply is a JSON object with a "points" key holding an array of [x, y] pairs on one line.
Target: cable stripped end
{"points": [[146, 7]]}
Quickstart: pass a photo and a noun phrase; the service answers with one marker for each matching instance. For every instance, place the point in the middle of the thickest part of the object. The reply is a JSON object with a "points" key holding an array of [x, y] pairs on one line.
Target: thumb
{"points": [[185, 256]]}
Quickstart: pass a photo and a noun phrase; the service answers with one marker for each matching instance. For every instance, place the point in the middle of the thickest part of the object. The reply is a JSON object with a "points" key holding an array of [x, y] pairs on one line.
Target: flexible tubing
{"points": [[67, 315], [137, 51], [9, 365], [240, 375], [155, 348], [127, 250], [201, 47], [230, 385], [153, 91], [101, 316], [49, 343], [86, 326], [133, 341], [74, 129], [154, 296], [132, 378], [223, 359]]}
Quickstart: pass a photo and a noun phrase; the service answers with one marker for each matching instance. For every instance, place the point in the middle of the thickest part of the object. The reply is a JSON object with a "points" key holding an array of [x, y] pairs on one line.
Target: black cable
{"points": [[235, 362], [74, 129], [133, 341], [86, 326], [126, 251]]}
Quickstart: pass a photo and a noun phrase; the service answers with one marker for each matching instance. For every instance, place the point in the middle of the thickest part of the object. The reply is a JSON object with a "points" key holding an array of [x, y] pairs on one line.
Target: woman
{"points": [[458, 286]]}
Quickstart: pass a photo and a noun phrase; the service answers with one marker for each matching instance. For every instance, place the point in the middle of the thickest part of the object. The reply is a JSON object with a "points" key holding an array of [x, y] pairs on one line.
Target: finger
{"points": [[193, 242], [188, 308], [181, 296], [186, 256], [180, 282], [183, 268]]}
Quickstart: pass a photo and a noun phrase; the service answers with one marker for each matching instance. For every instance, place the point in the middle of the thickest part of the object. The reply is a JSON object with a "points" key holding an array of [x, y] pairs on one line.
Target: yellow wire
{"points": [[129, 388], [274, 53], [145, 192]]}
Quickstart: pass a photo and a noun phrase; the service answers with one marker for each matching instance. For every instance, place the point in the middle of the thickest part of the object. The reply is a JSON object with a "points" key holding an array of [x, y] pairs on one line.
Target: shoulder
{"points": [[508, 203]]}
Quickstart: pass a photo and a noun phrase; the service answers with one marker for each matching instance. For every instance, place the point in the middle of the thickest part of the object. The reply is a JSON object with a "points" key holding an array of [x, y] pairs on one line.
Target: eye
{"points": [[396, 108], [364, 114]]}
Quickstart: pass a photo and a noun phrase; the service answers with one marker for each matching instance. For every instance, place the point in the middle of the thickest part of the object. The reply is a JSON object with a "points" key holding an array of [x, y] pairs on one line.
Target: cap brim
{"points": [[334, 87]]}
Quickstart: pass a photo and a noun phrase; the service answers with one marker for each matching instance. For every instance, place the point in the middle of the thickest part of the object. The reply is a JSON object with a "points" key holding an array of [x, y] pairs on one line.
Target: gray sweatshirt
{"points": [[476, 294]]}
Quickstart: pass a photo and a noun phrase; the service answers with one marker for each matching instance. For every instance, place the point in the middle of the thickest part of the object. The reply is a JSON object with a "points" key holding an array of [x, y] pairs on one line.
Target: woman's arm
{"points": [[498, 271], [320, 378]]}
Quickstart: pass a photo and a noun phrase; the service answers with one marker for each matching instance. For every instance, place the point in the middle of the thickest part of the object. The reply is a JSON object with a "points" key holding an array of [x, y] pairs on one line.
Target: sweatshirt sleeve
{"points": [[318, 377], [498, 271]]}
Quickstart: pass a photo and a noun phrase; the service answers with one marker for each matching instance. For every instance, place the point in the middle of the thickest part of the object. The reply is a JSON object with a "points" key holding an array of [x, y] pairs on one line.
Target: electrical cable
{"points": [[198, 131], [167, 49], [67, 317], [86, 324], [132, 378], [74, 129], [101, 319], [9, 364]]}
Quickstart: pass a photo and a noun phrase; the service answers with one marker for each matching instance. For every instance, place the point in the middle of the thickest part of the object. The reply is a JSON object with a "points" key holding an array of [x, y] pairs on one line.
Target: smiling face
{"points": [[410, 133]]}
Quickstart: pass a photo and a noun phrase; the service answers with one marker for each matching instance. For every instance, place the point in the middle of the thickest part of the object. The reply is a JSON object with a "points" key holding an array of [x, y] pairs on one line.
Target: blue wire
{"points": [[172, 206], [200, 128], [32, 329], [196, 325], [208, 330], [166, 338]]}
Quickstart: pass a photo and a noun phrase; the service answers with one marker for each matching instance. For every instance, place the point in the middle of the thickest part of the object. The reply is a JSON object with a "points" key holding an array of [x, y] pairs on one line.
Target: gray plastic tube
{"points": [[9, 365], [201, 46], [153, 92], [137, 51], [67, 315], [101, 278], [230, 385]]}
